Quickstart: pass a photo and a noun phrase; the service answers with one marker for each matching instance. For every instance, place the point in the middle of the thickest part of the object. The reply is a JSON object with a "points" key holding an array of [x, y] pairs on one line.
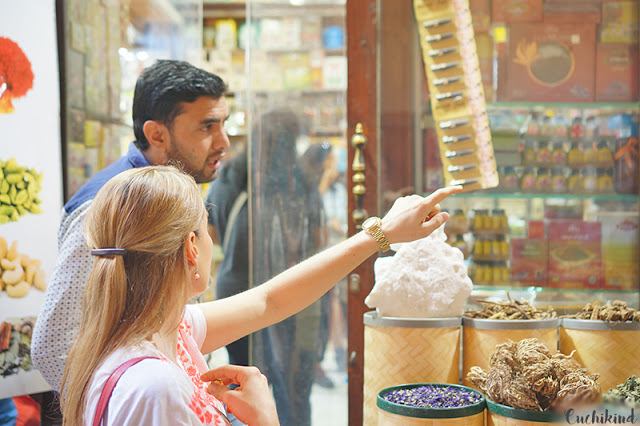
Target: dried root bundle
{"points": [[616, 311], [510, 310], [526, 375]]}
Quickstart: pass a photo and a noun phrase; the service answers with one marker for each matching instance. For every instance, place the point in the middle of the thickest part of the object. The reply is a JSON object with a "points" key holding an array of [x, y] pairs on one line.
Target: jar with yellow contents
{"points": [[574, 183], [604, 181], [604, 156], [575, 157]]}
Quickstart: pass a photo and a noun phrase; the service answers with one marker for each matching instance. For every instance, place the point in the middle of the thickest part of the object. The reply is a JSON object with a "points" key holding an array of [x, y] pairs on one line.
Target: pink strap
{"points": [[103, 401]]}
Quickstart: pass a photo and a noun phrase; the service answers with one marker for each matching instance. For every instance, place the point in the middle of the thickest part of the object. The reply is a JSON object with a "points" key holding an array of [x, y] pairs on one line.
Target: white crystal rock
{"points": [[424, 279]]}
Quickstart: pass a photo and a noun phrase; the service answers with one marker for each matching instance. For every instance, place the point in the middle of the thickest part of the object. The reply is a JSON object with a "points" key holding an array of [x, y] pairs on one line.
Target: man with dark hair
{"points": [[178, 113]]}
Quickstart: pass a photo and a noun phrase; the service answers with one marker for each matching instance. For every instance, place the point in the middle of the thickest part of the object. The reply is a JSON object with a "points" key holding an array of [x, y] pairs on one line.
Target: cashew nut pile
{"points": [[18, 271], [19, 189]]}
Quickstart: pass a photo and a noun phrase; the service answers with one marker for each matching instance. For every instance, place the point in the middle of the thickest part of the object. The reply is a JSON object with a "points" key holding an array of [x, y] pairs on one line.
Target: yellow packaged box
{"points": [[619, 250]]}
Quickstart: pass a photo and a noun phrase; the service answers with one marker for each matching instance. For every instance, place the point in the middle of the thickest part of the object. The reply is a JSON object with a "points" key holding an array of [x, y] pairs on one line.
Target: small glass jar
{"points": [[590, 155], [604, 155], [575, 157], [604, 181], [528, 180], [589, 181], [510, 180], [543, 180], [574, 183], [528, 154], [558, 155], [558, 181], [543, 153]]}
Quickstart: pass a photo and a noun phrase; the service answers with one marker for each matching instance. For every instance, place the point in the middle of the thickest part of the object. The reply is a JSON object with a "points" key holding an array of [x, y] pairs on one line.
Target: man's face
{"points": [[198, 138]]}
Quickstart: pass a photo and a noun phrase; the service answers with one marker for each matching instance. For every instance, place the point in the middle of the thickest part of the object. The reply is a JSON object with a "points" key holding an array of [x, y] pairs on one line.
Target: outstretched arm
{"points": [[409, 219]]}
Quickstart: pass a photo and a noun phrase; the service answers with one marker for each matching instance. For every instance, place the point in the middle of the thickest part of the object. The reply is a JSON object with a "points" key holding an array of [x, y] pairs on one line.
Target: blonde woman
{"points": [[147, 229]]}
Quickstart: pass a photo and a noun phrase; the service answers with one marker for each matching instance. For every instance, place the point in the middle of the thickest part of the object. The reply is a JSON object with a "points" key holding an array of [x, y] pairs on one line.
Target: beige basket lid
{"points": [[494, 324], [372, 318], [582, 324]]}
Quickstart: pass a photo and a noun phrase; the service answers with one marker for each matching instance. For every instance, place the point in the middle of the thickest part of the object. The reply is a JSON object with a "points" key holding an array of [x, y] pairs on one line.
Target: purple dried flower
{"points": [[434, 397]]}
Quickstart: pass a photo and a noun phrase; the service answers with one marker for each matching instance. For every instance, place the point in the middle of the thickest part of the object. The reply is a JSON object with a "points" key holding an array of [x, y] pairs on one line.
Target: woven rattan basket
{"points": [[607, 348], [480, 337], [407, 350], [501, 415], [393, 414]]}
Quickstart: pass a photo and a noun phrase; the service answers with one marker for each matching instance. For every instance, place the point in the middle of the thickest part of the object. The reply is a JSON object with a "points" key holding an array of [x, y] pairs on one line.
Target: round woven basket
{"points": [[502, 415], [407, 350], [480, 337], [392, 414], [609, 349]]}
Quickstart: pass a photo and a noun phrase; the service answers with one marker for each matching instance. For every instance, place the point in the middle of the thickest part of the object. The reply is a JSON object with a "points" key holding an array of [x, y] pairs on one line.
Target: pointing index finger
{"points": [[442, 193]]}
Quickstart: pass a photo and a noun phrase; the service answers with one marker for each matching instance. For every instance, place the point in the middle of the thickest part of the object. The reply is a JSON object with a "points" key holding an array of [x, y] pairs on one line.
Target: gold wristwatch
{"points": [[373, 227]]}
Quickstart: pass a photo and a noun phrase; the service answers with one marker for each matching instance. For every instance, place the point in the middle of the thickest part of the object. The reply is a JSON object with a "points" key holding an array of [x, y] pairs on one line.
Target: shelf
{"points": [[531, 289], [520, 195], [574, 105]]}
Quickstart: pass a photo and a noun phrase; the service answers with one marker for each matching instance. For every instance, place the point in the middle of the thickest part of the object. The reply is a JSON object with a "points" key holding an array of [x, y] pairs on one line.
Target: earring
{"points": [[196, 274]]}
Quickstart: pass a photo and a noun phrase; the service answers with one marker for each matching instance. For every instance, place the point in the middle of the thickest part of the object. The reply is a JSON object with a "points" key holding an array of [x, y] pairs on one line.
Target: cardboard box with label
{"points": [[620, 250], [574, 254], [529, 262], [617, 72], [551, 62]]}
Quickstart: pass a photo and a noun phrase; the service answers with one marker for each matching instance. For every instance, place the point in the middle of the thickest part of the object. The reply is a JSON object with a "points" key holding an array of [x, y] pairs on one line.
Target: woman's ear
{"points": [[191, 249]]}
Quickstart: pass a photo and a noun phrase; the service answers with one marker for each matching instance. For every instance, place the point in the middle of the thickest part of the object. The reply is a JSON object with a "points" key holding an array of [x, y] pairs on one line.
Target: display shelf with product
{"points": [[562, 101]]}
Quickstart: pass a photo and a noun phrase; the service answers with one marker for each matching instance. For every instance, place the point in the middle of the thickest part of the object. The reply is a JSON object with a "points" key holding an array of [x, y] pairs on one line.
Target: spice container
{"points": [[459, 224], [575, 157], [430, 404], [574, 183], [558, 155], [604, 155], [558, 181], [626, 166], [510, 180], [528, 154], [589, 181], [480, 336], [590, 155], [461, 244], [604, 181], [407, 350], [528, 180], [502, 415], [543, 181], [543, 154]]}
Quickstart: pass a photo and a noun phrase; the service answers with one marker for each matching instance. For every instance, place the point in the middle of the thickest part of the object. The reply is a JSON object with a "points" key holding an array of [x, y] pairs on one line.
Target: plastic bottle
{"points": [[575, 157], [528, 180], [558, 155], [604, 181], [543, 154], [589, 181], [528, 154], [574, 183], [558, 181], [604, 155], [543, 181]]}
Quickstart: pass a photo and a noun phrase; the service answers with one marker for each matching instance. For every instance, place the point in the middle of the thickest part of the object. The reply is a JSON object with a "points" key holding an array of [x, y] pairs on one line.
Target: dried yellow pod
{"points": [[18, 290], [14, 276], [40, 280]]}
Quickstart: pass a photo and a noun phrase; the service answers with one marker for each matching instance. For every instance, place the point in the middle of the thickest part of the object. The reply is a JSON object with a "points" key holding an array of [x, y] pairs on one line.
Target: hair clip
{"points": [[442, 52], [436, 23], [454, 139], [109, 252], [437, 37]]}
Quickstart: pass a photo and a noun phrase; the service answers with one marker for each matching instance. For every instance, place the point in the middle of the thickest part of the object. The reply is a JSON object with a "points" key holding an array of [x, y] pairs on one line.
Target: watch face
{"points": [[369, 222]]}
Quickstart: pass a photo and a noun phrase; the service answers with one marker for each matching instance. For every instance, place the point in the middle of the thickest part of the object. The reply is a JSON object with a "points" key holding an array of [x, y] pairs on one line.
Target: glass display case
{"points": [[561, 90], [104, 47]]}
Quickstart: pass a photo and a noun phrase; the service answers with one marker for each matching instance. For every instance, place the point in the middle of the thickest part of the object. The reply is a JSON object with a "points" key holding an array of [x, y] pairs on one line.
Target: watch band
{"points": [[375, 231]]}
